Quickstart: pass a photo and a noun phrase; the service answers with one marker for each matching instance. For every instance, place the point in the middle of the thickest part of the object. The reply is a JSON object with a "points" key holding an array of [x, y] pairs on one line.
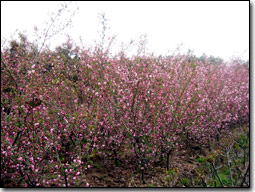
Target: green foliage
{"points": [[167, 178], [243, 141], [224, 178], [185, 182], [117, 163], [151, 185], [196, 181], [201, 160], [98, 165], [170, 172]]}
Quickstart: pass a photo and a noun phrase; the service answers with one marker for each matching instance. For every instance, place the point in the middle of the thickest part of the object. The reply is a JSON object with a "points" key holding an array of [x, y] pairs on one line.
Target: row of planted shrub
{"points": [[57, 111]]}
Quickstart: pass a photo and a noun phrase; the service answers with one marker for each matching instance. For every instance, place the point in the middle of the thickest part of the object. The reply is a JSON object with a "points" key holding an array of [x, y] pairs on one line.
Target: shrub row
{"points": [[56, 111]]}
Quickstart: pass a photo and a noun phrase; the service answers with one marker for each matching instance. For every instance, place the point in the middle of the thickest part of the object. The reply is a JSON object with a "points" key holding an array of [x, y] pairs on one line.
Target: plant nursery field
{"points": [[94, 120]]}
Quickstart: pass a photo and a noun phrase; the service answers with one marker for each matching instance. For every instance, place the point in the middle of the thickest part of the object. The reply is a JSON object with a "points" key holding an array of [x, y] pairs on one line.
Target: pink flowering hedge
{"points": [[55, 111]]}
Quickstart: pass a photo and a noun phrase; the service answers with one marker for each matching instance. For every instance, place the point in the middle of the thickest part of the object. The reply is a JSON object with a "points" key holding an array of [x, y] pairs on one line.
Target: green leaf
{"points": [[9, 118], [18, 124], [201, 160], [170, 172], [117, 163]]}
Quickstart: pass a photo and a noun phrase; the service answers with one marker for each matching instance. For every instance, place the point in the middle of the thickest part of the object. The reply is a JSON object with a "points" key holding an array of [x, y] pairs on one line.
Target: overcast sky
{"points": [[215, 28]]}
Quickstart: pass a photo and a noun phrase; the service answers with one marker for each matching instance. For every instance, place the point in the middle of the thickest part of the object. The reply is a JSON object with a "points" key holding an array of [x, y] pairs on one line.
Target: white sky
{"points": [[215, 28]]}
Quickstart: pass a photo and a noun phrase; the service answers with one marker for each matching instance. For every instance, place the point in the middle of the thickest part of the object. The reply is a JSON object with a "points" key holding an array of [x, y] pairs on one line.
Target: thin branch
{"points": [[229, 167], [46, 35], [65, 179], [16, 138], [216, 172], [244, 177], [30, 182], [204, 181], [65, 176]]}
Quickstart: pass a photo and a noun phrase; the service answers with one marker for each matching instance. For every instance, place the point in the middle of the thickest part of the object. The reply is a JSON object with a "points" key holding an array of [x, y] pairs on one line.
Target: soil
{"points": [[104, 173]]}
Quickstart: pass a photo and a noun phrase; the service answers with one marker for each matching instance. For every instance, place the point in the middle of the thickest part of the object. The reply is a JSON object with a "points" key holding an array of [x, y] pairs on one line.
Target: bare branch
{"points": [[244, 177], [216, 172]]}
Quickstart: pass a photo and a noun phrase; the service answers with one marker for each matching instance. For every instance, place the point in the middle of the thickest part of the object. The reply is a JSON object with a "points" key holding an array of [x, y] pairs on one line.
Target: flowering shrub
{"points": [[56, 111]]}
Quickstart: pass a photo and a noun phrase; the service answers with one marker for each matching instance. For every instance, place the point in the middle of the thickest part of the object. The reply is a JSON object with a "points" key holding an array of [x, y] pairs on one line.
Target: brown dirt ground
{"points": [[107, 174]]}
